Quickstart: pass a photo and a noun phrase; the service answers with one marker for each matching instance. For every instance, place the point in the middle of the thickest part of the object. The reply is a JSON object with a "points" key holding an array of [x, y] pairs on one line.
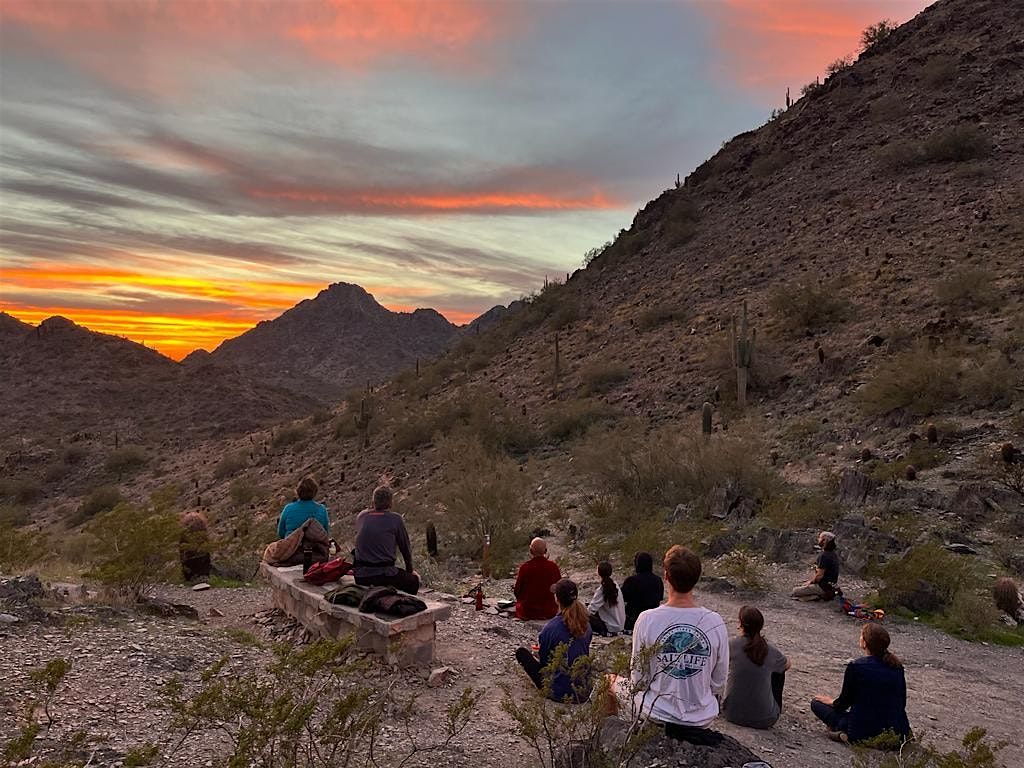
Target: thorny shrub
{"points": [[134, 549], [801, 307], [968, 287], [977, 752]]}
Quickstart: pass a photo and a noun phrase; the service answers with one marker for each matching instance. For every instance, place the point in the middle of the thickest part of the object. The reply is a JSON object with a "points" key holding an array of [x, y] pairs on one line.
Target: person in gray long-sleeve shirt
{"points": [[380, 536]]}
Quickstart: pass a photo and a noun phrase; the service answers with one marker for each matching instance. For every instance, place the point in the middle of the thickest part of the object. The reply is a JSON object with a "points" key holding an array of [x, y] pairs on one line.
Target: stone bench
{"points": [[403, 640]]}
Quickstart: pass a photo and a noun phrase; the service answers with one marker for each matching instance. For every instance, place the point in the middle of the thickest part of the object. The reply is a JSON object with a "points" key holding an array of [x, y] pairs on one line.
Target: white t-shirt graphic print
{"points": [[689, 664]]}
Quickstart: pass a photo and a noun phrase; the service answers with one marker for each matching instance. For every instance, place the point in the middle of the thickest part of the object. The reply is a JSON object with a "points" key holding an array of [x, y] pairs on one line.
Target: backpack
{"points": [[350, 594], [390, 601], [332, 570]]}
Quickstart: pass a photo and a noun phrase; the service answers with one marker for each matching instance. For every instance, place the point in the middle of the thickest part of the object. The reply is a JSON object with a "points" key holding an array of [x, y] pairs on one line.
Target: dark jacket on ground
{"points": [[642, 591], [875, 696], [533, 589]]}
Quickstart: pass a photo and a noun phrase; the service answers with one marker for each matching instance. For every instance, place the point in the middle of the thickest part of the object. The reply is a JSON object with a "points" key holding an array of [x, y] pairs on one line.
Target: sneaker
{"points": [[839, 736]]}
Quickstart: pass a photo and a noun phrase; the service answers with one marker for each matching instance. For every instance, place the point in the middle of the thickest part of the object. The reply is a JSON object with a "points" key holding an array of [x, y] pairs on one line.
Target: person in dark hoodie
{"points": [[874, 695], [643, 590]]}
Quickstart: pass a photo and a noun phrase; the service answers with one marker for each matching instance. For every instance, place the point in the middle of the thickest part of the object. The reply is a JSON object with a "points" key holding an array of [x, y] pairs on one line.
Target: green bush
{"points": [[920, 381], [569, 420], [231, 464], [21, 490], [956, 144], [100, 499], [55, 472], [129, 458], [744, 570], [602, 376], [134, 549], [921, 456], [926, 578], [74, 454], [766, 165], [19, 548], [660, 314], [799, 509], [801, 307], [876, 33], [289, 435], [14, 516], [968, 287], [243, 493], [977, 753]]}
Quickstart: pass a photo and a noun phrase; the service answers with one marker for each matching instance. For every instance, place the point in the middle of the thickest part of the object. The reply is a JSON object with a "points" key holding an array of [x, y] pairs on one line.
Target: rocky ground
{"points": [[120, 660]]}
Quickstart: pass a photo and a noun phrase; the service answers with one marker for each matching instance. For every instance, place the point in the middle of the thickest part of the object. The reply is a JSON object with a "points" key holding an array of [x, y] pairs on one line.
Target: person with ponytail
{"points": [[607, 612], [757, 674], [563, 676], [874, 695]]}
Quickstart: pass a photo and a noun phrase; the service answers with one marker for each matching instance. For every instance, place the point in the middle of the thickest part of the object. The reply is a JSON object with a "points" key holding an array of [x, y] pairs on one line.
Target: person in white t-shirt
{"points": [[680, 659]]}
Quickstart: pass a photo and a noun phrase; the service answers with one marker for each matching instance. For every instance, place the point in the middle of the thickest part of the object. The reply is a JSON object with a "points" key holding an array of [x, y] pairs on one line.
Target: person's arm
{"points": [[849, 693], [280, 525], [325, 521], [402, 540], [720, 673], [597, 601], [626, 590], [518, 586], [546, 645]]}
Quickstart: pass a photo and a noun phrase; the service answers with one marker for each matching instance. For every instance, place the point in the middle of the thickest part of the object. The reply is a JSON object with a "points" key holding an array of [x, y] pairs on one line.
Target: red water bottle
{"points": [[480, 597]]}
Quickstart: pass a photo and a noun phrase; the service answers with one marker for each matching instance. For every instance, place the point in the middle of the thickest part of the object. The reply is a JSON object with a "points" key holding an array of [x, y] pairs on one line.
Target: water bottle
{"points": [[307, 559]]}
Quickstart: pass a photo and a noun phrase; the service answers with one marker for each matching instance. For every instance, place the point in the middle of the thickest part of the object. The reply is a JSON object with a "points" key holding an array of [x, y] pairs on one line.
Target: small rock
{"points": [[440, 676], [8, 618], [200, 587], [215, 613]]}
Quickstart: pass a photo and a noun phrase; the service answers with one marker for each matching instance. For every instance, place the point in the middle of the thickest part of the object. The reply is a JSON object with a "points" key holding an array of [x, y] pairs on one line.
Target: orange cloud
{"points": [[428, 203], [783, 43]]}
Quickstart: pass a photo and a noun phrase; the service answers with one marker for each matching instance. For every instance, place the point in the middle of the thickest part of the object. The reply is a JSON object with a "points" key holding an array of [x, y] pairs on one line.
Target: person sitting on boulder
{"points": [[822, 586], [194, 546], [757, 674], [607, 614], [533, 584], [304, 508], [564, 677], [874, 695], [680, 659], [643, 590], [380, 535]]}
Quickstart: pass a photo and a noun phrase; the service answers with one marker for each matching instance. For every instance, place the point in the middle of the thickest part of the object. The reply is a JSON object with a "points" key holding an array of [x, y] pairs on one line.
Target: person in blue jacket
{"points": [[874, 695], [296, 513], [570, 628]]}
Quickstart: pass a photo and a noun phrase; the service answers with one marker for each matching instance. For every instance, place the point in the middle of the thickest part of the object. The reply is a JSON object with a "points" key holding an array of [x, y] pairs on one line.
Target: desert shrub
{"points": [[231, 464], [21, 490], [289, 435], [920, 381], [968, 287], [977, 752], [926, 578], [483, 494], [593, 253], [743, 569], [801, 307], [135, 548], [938, 70], [876, 33], [766, 165], [74, 454], [956, 144], [19, 548], [243, 492], [569, 420], [799, 509], [838, 65], [315, 706], [45, 682], [13, 515], [660, 314], [129, 458], [921, 456], [55, 472], [761, 376], [100, 499], [888, 107], [993, 382], [602, 376], [809, 89], [679, 223], [971, 613], [414, 430], [320, 416]]}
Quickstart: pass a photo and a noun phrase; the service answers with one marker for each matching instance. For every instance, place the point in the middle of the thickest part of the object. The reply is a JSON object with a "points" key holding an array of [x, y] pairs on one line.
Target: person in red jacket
{"points": [[533, 584]]}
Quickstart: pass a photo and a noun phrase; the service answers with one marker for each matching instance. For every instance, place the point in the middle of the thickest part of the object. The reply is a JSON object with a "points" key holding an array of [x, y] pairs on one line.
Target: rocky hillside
{"points": [[340, 340]]}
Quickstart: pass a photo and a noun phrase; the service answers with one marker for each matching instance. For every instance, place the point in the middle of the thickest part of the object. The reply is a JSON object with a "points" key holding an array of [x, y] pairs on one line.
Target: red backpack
{"points": [[331, 570]]}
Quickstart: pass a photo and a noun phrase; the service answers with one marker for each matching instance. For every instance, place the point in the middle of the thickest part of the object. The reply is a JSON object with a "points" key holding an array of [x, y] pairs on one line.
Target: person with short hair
{"points": [[607, 613], [823, 584], [302, 509], [874, 695], [680, 659], [641, 591], [757, 674], [534, 580], [380, 535], [571, 681]]}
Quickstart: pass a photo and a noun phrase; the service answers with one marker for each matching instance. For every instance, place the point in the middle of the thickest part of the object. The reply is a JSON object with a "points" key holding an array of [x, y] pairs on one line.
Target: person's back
{"points": [[534, 580], [381, 536], [749, 700], [878, 699], [641, 591], [304, 508], [563, 686]]}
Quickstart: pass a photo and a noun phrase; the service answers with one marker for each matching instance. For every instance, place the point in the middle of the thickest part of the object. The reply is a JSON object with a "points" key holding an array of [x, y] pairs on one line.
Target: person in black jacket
{"points": [[874, 695], [642, 591]]}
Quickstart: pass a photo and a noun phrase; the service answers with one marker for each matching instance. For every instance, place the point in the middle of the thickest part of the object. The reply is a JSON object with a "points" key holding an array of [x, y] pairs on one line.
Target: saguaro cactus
{"points": [[742, 355], [705, 420], [431, 540], [363, 419], [557, 366]]}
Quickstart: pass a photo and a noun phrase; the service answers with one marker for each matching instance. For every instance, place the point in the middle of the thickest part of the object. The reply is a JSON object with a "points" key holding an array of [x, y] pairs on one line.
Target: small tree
{"points": [[135, 547], [876, 33]]}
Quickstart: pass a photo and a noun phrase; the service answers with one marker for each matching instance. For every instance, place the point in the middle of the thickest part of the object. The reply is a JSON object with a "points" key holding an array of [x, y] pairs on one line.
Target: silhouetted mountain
{"points": [[342, 339]]}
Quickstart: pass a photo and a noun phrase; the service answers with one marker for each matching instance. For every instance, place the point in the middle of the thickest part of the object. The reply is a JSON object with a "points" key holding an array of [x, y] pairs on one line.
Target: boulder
{"points": [[855, 487]]}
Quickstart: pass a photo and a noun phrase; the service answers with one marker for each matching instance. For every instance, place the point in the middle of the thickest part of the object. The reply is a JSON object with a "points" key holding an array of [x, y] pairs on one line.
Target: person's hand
{"points": [[824, 700]]}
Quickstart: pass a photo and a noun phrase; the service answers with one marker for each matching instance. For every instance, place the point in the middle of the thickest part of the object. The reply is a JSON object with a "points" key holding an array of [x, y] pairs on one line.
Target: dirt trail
{"points": [[118, 667]]}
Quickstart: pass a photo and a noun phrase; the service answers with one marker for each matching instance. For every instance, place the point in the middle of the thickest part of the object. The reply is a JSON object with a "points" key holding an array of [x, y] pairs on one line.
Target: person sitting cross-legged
{"points": [[534, 580], [380, 535], [874, 695], [564, 676], [643, 590], [822, 585], [757, 674], [607, 614]]}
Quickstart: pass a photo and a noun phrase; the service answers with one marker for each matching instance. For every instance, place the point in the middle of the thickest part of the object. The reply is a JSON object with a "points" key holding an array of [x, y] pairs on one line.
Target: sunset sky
{"points": [[175, 171]]}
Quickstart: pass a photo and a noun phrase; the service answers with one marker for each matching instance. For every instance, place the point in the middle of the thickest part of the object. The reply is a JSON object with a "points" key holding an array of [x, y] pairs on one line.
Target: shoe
{"points": [[839, 736]]}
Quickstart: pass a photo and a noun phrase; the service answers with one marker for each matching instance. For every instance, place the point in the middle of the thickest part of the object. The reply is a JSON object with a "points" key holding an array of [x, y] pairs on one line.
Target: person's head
{"points": [[307, 489], [382, 498], [874, 640], [575, 616], [751, 624], [643, 562], [538, 547], [609, 589], [1007, 596], [827, 540], [682, 569]]}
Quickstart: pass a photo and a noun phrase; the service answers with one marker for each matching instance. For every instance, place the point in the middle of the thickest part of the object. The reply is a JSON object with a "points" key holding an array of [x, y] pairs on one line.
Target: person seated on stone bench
{"points": [[534, 580], [380, 536], [607, 613], [304, 508], [757, 674], [643, 590], [680, 659], [557, 673], [822, 585], [874, 695]]}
